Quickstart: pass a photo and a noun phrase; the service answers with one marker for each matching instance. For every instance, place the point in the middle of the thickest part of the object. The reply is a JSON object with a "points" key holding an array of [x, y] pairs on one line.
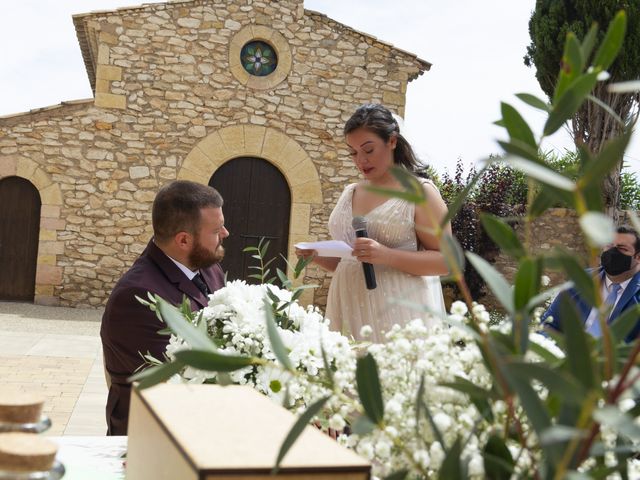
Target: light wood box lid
{"points": [[238, 428]]}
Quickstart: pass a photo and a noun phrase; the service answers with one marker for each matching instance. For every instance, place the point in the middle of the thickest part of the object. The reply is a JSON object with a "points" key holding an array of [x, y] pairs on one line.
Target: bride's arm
{"points": [[429, 261]]}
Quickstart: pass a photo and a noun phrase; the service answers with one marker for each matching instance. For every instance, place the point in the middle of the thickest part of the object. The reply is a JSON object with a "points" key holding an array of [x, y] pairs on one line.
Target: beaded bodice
{"points": [[391, 223]]}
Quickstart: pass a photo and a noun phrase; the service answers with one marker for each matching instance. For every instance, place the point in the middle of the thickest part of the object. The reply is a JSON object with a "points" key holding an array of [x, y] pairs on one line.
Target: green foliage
{"points": [[629, 191], [608, 112], [553, 20], [498, 190], [263, 272]]}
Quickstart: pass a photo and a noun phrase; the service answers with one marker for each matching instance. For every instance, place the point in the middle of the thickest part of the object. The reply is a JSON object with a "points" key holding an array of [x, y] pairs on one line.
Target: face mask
{"points": [[614, 261]]}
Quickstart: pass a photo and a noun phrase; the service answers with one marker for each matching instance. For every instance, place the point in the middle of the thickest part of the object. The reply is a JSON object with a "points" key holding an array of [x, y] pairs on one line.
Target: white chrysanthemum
{"points": [[459, 308]]}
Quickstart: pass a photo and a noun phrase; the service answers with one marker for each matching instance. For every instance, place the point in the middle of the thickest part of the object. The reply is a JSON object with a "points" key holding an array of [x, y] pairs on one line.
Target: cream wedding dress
{"points": [[350, 305]]}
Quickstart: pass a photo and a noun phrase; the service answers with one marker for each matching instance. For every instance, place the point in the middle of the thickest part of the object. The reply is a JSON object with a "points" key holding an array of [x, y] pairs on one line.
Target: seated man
{"points": [[620, 285], [180, 260]]}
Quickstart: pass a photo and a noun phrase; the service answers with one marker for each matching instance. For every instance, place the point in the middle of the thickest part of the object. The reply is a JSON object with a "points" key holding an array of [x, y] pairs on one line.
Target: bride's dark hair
{"points": [[379, 120]]}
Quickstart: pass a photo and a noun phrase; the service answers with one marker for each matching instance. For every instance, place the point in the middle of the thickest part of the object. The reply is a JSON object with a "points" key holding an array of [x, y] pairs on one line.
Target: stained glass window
{"points": [[258, 58]]}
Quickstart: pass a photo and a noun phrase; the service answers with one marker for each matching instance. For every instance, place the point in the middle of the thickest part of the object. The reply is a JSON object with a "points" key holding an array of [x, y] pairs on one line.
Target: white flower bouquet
{"points": [[235, 321]]}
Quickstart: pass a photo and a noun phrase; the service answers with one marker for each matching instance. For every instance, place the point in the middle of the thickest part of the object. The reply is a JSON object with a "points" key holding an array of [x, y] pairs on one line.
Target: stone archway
{"points": [[48, 273], [277, 148], [272, 145]]}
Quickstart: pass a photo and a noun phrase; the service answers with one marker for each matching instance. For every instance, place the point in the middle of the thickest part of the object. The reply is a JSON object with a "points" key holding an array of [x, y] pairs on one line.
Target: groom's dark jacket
{"points": [[130, 329], [629, 298]]}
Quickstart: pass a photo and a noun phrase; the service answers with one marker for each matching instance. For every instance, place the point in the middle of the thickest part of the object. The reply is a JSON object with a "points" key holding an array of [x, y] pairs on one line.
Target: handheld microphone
{"points": [[360, 226]]}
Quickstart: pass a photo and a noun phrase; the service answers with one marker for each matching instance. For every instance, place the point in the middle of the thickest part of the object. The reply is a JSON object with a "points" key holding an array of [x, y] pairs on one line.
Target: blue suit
{"points": [[630, 297]]}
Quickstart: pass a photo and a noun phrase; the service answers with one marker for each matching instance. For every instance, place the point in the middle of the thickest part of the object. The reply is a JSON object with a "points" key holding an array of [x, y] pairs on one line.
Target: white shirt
{"points": [[605, 288], [188, 272]]}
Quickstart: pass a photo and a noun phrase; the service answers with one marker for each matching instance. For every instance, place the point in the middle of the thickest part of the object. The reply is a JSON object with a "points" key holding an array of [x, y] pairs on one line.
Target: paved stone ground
{"points": [[56, 351]]}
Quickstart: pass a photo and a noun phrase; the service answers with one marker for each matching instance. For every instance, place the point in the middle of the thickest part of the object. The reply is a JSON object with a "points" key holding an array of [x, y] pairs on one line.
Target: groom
{"points": [[181, 260]]}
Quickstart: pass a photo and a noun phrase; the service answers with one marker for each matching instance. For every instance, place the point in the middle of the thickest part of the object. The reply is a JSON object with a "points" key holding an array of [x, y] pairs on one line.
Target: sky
{"points": [[476, 49]]}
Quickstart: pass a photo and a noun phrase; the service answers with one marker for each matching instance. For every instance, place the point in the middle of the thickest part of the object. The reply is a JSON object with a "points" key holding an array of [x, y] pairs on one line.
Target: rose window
{"points": [[258, 58]]}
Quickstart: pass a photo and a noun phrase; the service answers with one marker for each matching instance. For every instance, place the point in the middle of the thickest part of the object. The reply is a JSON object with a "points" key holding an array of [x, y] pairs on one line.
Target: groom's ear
{"points": [[183, 240]]}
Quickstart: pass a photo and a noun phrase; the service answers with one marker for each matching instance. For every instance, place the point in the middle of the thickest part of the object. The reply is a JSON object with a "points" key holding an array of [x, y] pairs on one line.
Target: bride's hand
{"points": [[369, 251], [300, 253]]}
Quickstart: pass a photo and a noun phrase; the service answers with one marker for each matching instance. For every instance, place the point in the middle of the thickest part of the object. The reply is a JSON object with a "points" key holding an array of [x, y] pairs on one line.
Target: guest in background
{"points": [[181, 260], [619, 274], [404, 253]]}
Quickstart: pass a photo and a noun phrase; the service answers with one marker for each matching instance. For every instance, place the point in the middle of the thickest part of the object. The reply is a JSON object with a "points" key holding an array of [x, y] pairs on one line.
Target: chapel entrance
{"points": [[19, 232], [257, 204]]}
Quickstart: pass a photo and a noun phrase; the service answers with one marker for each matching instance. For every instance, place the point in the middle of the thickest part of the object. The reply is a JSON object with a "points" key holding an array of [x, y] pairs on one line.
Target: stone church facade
{"points": [[175, 99]]}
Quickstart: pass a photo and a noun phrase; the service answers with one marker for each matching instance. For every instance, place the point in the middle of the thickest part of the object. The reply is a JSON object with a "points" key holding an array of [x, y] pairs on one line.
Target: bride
{"points": [[405, 256]]}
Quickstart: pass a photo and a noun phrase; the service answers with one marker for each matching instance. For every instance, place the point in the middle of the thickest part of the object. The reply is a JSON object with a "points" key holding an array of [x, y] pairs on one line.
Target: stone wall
{"points": [[171, 103], [558, 227]]}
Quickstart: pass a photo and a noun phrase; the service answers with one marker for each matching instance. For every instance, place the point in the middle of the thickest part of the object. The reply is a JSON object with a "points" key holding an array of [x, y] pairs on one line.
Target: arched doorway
{"points": [[19, 233], [257, 203]]}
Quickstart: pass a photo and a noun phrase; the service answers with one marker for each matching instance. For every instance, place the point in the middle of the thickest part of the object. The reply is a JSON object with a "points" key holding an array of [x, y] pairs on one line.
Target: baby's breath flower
{"points": [[366, 331], [337, 422]]}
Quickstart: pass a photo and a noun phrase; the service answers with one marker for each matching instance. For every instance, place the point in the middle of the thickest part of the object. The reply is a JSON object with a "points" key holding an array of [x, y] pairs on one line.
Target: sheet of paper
{"points": [[327, 248]]}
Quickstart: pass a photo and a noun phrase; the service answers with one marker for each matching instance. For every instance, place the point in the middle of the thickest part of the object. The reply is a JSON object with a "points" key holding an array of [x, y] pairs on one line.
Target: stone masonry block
{"points": [[47, 234], [40, 179], [25, 168], [47, 260], [51, 195], [292, 154], [102, 85], [49, 275], [46, 290], [186, 174], [50, 211], [108, 100], [103, 54], [262, 33], [7, 166], [240, 73], [46, 300], [300, 218], [108, 38], [233, 139], [253, 139], [393, 98], [52, 223], [140, 171], [302, 173], [200, 163], [310, 192], [109, 72], [52, 248], [214, 148], [273, 144]]}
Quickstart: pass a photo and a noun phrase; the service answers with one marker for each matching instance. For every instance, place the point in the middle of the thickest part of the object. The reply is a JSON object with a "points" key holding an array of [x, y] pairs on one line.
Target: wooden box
{"points": [[210, 432]]}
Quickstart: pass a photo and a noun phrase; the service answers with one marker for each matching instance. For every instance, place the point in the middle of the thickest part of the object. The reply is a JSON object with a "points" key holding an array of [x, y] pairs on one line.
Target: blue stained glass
{"points": [[258, 58]]}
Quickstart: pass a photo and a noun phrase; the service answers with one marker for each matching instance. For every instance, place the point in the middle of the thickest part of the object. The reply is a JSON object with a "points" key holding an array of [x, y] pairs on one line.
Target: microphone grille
{"points": [[359, 223]]}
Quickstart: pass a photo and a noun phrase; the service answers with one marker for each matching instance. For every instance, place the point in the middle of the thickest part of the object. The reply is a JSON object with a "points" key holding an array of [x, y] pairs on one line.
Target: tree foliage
{"points": [[550, 24]]}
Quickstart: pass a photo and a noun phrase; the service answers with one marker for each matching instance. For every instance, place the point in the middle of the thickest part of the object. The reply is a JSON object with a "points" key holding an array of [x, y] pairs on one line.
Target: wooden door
{"points": [[257, 204], [19, 232]]}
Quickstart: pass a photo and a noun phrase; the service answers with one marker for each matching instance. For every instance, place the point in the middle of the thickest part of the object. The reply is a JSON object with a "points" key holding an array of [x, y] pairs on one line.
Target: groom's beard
{"points": [[202, 257]]}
